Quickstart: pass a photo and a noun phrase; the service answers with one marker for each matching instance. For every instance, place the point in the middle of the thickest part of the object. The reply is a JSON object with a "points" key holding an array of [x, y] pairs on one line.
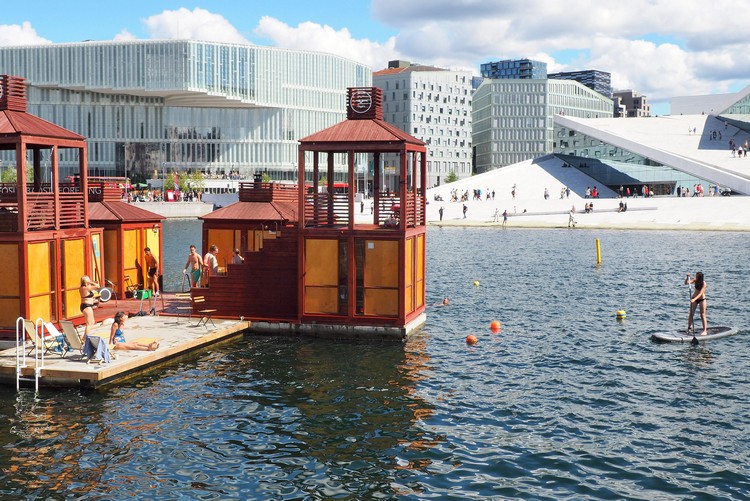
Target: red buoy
{"points": [[495, 326], [471, 339]]}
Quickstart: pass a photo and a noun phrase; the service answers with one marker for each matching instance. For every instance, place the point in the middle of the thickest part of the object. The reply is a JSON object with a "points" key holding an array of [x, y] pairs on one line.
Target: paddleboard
{"points": [[681, 336]]}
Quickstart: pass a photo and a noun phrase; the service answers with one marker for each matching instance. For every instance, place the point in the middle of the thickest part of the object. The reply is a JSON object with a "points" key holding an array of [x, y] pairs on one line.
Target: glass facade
{"points": [[513, 119], [613, 167], [739, 113], [514, 69], [148, 107], [600, 81]]}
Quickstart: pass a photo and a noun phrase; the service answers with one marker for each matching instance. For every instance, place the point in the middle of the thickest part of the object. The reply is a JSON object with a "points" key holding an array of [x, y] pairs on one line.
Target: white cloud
{"points": [[198, 24], [660, 48], [20, 34], [124, 35], [323, 38]]}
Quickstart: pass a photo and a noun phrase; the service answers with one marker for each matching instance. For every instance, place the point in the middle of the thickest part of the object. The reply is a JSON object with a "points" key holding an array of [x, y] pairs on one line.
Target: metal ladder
{"points": [[21, 352]]}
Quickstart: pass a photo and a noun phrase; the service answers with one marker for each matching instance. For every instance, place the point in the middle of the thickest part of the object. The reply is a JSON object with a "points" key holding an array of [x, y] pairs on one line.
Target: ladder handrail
{"points": [[20, 349]]}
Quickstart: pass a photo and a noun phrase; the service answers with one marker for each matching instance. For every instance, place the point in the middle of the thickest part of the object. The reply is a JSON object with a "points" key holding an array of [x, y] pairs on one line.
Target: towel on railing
{"points": [[95, 348]]}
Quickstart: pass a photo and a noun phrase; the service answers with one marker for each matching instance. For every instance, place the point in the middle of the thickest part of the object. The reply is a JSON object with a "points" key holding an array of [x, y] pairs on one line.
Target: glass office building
{"points": [[514, 119], [149, 107]]}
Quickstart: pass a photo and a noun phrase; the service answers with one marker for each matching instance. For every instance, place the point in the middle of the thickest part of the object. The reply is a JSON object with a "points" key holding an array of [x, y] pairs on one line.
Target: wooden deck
{"points": [[177, 336]]}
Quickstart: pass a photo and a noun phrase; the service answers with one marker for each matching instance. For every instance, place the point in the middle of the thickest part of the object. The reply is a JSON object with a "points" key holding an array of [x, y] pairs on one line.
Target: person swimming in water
{"points": [[698, 298]]}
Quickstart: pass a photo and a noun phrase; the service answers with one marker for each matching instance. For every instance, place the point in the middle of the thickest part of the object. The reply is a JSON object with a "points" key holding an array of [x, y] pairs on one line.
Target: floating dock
{"points": [[177, 336]]}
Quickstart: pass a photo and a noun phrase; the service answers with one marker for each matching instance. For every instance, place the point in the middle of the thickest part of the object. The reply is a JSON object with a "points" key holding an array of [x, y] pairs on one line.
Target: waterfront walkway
{"points": [[529, 209]]}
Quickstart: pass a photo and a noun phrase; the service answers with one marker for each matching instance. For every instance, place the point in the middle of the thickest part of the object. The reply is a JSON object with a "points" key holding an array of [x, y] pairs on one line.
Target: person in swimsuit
{"points": [[698, 299], [153, 266], [210, 263], [117, 338], [195, 264], [88, 301]]}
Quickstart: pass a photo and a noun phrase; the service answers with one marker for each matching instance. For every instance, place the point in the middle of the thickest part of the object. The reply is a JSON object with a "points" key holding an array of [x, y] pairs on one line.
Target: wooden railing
{"points": [[71, 210], [415, 214], [40, 210], [320, 212], [267, 192]]}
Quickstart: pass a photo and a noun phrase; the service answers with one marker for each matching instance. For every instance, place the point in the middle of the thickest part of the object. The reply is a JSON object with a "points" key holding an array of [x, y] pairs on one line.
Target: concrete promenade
{"points": [[715, 213]]}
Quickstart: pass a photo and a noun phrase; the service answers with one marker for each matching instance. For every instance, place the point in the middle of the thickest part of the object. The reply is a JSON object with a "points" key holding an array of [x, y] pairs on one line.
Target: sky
{"points": [[659, 48]]}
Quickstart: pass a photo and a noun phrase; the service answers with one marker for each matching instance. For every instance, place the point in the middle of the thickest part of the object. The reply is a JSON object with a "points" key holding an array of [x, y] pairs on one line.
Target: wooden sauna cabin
{"points": [[325, 273], [127, 230], [45, 236], [263, 226], [363, 276]]}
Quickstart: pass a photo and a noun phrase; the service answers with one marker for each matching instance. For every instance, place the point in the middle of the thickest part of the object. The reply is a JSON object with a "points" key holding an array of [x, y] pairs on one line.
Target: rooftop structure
{"points": [[514, 69], [148, 107], [599, 81]]}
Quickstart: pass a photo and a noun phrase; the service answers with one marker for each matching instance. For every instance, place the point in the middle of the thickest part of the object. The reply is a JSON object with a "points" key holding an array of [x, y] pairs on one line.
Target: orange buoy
{"points": [[495, 326], [471, 339]]}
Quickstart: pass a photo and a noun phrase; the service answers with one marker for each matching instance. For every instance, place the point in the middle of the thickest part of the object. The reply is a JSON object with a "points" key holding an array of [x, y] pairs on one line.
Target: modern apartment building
{"points": [[599, 81], [148, 107], [514, 69], [633, 104], [513, 119], [434, 105]]}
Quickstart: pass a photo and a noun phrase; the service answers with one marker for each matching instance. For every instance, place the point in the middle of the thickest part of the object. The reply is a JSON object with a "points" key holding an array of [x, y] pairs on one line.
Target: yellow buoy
{"points": [[476, 283], [621, 314]]}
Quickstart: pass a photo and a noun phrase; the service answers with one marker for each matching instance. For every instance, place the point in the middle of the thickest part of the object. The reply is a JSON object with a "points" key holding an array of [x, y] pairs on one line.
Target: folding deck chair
{"points": [[50, 344], [206, 314], [72, 338]]}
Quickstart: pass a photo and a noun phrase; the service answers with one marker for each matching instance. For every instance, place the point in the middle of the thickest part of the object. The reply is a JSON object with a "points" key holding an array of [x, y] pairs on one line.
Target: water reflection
{"points": [[565, 403]]}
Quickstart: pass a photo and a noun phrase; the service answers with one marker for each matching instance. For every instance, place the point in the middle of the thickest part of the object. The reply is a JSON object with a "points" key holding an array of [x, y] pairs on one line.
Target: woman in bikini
{"points": [[698, 299], [87, 302], [117, 338]]}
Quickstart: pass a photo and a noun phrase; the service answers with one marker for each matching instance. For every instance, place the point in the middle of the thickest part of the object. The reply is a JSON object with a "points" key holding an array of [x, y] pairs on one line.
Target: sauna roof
{"points": [[112, 211], [14, 123], [255, 211], [362, 131]]}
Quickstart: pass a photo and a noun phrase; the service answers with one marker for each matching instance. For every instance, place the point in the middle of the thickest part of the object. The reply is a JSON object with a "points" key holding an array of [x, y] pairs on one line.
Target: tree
{"points": [[451, 177], [8, 174]]}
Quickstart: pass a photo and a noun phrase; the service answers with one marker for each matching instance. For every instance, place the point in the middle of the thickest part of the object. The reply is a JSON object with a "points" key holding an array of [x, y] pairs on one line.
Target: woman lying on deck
{"points": [[117, 338]]}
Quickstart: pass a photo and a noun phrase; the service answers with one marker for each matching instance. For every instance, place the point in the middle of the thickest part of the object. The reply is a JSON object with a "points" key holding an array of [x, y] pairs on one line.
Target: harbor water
{"points": [[566, 402]]}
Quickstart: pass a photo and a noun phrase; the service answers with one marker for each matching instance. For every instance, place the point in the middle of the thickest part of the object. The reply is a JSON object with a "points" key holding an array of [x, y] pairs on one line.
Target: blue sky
{"points": [[660, 48]]}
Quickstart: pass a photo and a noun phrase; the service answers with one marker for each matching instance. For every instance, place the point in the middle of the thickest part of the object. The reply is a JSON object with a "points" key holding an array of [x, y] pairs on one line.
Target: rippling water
{"points": [[564, 403]]}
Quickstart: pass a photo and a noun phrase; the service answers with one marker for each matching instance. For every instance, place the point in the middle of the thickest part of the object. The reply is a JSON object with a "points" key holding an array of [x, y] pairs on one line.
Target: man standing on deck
{"points": [[210, 263], [195, 265], [153, 271]]}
